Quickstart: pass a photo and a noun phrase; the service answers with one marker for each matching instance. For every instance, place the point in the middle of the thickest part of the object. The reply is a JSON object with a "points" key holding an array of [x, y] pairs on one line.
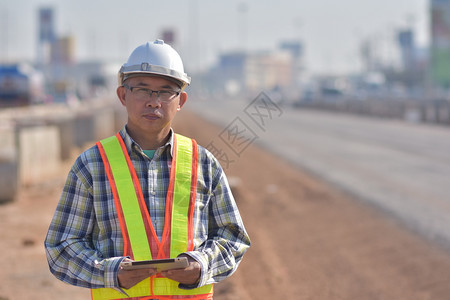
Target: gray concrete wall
{"points": [[8, 163], [36, 140], [39, 153]]}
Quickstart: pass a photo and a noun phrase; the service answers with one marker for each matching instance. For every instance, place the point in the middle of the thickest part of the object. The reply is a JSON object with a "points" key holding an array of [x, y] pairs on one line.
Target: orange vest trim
{"points": [[193, 197]]}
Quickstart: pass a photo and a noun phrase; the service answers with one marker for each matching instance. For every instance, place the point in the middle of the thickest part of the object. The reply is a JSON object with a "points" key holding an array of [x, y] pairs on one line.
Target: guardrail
{"points": [[430, 111]]}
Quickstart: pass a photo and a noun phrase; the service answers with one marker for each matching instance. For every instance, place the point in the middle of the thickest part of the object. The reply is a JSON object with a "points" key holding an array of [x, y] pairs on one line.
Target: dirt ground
{"points": [[309, 240]]}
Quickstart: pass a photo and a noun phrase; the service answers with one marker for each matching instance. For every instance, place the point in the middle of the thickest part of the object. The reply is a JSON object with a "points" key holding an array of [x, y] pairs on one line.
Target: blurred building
{"points": [[66, 80], [267, 71], [407, 49], [241, 72], [46, 34], [51, 48], [62, 51], [440, 43], [295, 48]]}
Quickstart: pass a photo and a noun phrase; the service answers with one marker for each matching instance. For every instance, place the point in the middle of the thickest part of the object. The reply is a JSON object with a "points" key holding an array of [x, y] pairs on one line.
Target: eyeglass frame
{"points": [[158, 92]]}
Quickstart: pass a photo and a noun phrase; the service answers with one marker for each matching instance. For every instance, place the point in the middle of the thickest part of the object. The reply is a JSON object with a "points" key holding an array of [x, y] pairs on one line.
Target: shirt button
{"points": [[153, 193]]}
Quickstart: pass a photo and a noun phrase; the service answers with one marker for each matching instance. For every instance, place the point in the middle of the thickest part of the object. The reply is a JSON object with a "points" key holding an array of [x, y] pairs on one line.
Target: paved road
{"points": [[401, 168]]}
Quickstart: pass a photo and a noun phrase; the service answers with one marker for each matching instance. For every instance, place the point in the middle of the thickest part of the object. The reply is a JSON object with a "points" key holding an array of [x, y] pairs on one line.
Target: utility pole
{"points": [[242, 26], [194, 35], [4, 34]]}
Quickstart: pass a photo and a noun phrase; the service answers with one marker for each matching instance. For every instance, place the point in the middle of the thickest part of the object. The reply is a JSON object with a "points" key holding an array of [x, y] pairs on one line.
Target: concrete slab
{"points": [[39, 153]]}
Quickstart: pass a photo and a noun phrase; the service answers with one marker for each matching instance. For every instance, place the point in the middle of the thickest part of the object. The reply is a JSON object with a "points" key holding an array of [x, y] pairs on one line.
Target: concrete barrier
{"points": [[8, 164], [64, 121], [82, 128], [8, 180], [120, 116], [93, 125], [443, 115], [104, 124], [39, 153], [413, 114], [430, 111], [66, 135], [37, 139]]}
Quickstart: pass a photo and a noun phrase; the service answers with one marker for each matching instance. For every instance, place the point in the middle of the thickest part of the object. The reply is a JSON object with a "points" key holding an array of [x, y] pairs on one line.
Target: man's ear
{"points": [[183, 99], [121, 94]]}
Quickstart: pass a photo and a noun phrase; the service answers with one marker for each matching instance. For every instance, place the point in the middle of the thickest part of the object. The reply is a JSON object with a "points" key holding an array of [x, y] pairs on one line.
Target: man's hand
{"points": [[189, 275], [129, 278]]}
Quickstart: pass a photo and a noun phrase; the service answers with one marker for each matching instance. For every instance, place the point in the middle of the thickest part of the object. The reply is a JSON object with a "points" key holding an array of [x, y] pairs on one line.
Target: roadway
{"points": [[401, 168]]}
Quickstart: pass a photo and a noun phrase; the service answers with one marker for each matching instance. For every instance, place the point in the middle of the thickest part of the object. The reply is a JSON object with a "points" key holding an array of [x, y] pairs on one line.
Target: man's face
{"points": [[150, 115]]}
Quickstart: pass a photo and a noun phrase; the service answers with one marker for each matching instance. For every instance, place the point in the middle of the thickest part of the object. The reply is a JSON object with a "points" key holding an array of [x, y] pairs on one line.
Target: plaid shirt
{"points": [[84, 243]]}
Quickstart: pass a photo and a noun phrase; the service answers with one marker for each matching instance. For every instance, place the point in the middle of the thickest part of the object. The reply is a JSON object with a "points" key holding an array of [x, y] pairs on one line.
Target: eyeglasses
{"points": [[144, 94]]}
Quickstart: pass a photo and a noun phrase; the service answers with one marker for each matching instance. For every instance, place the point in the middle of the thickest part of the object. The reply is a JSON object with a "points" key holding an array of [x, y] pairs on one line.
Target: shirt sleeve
{"points": [[68, 244], [227, 239]]}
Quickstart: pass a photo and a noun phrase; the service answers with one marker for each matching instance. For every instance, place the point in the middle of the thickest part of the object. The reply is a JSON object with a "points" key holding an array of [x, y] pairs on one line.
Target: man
{"points": [[147, 193]]}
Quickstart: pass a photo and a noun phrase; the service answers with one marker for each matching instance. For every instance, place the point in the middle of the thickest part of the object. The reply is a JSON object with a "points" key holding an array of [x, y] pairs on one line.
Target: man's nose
{"points": [[153, 101]]}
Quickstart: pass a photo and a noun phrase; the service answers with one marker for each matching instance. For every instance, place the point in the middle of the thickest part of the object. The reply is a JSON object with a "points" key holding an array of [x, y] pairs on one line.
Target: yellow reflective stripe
{"points": [[142, 289], [128, 198], [161, 287], [181, 196], [166, 287]]}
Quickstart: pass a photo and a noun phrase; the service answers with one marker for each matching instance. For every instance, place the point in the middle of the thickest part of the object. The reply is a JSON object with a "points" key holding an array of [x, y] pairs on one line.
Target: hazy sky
{"points": [[331, 30]]}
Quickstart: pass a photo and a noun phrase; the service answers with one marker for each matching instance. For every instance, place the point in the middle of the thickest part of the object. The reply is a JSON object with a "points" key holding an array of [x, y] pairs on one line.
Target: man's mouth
{"points": [[152, 116]]}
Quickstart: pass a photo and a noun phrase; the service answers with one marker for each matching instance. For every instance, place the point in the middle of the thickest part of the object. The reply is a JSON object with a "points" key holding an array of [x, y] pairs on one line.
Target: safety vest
{"points": [[140, 239]]}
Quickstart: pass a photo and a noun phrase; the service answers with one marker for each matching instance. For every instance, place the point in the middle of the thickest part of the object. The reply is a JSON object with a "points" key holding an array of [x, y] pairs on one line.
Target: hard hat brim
{"points": [[127, 76], [147, 69]]}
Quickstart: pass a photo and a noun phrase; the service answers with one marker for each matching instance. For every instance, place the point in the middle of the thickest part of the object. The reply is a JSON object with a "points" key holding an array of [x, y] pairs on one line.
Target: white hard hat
{"points": [[155, 58]]}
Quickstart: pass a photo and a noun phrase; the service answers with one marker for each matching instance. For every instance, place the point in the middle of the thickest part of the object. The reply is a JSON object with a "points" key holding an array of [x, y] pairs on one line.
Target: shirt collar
{"points": [[131, 144]]}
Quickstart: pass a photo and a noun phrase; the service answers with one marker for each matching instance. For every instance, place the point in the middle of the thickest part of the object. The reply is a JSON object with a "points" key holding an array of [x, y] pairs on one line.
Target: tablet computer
{"points": [[158, 264]]}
